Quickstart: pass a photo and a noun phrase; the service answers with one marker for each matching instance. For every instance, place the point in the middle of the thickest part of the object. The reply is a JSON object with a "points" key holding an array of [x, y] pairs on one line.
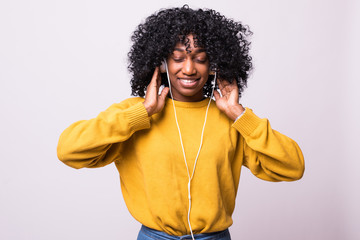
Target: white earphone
{"points": [[163, 66]]}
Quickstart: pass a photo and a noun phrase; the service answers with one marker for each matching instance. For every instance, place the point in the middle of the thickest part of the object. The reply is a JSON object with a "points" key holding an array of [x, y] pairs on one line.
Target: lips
{"points": [[188, 82]]}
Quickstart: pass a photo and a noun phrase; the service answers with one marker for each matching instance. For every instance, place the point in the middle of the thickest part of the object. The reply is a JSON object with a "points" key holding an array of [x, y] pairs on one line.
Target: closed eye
{"points": [[178, 59], [201, 60]]}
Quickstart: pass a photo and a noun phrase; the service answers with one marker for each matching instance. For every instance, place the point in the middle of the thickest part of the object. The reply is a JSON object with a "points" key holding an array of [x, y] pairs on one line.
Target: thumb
{"points": [[216, 95], [163, 94]]}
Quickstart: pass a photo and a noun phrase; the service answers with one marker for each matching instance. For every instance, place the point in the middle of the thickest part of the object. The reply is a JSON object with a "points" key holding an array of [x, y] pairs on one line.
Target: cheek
{"points": [[203, 69], [205, 72], [174, 67]]}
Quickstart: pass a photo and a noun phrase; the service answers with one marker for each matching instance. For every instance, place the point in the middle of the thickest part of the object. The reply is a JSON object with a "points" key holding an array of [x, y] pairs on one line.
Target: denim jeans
{"points": [[151, 234]]}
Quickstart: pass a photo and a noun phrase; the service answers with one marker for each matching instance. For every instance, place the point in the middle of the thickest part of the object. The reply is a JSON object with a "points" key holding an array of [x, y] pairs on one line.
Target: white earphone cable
{"points": [[182, 145]]}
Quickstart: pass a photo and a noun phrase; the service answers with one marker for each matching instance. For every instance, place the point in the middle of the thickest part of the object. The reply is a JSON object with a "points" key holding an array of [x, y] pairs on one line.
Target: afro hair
{"points": [[224, 40]]}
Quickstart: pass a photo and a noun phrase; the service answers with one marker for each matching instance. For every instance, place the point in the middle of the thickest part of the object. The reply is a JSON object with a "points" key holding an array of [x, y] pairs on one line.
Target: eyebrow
{"points": [[198, 50]]}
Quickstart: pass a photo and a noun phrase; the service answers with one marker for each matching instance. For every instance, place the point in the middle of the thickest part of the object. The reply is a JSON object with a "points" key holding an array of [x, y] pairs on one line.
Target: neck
{"points": [[195, 98]]}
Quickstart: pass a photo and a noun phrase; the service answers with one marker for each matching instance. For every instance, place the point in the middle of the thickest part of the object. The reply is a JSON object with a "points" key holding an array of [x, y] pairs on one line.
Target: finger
{"points": [[225, 88], [216, 95], [161, 99], [234, 94], [230, 87], [220, 86], [158, 79], [234, 97], [225, 83], [155, 77], [164, 93], [219, 82], [152, 89], [234, 84]]}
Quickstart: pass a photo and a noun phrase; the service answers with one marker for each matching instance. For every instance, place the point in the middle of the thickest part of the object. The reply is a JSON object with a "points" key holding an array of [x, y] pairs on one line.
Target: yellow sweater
{"points": [[148, 155]]}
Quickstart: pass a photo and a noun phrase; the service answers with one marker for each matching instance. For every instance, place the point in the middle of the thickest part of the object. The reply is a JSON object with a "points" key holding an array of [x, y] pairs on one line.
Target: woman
{"points": [[179, 153]]}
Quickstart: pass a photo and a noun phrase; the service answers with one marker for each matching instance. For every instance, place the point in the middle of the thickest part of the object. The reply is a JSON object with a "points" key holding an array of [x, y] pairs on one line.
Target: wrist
{"points": [[148, 108], [235, 111]]}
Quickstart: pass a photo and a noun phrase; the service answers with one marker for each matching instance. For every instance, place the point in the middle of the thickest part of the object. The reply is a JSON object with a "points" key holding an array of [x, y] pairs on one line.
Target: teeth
{"points": [[187, 81]]}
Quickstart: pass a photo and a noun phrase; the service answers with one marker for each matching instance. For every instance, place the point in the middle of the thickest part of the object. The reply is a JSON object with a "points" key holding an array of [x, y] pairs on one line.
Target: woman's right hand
{"points": [[154, 102]]}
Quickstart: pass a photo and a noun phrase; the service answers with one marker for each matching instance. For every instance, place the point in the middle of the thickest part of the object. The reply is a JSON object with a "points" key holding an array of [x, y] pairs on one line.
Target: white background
{"points": [[62, 61]]}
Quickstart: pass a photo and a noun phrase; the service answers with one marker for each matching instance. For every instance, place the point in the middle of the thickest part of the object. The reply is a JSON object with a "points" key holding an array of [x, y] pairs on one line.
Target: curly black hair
{"points": [[224, 40]]}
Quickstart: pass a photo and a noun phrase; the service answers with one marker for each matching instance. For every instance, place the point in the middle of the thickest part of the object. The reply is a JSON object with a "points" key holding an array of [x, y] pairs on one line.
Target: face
{"points": [[188, 72]]}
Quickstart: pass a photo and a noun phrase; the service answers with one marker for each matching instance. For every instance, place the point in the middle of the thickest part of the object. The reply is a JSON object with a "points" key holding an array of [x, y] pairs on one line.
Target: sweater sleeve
{"points": [[269, 154], [97, 142]]}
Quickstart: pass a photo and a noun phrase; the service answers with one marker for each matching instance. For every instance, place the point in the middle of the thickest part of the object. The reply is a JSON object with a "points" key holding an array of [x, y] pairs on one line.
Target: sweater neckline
{"points": [[198, 104]]}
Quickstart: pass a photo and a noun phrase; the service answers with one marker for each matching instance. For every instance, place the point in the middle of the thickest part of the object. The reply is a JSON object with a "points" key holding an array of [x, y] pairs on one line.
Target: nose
{"points": [[188, 67]]}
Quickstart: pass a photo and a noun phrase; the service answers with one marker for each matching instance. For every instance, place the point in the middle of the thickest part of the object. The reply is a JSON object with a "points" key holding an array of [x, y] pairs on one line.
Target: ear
{"points": [[162, 67], [211, 72]]}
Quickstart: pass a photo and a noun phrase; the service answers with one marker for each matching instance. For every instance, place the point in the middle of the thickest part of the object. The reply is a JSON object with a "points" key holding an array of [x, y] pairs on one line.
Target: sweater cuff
{"points": [[138, 117], [247, 123], [240, 115]]}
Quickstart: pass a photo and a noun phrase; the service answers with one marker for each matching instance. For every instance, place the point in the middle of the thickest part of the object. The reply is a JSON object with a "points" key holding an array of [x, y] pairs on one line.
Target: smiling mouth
{"points": [[189, 83], [188, 80]]}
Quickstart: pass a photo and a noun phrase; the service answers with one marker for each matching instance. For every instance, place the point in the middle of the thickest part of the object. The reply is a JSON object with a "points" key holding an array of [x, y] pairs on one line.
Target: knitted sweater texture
{"points": [[148, 155]]}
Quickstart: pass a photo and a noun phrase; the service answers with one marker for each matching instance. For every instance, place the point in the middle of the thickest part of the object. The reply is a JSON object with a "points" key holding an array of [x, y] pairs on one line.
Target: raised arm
{"points": [[268, 154], [94, 142], [97, 142]]}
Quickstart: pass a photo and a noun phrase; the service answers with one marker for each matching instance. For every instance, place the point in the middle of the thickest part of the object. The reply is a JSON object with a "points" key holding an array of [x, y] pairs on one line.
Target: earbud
{"points": [[162, 67]]}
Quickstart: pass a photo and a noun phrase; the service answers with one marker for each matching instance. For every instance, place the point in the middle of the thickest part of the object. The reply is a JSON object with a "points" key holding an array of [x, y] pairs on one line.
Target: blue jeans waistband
{"points": [[151, 234]]}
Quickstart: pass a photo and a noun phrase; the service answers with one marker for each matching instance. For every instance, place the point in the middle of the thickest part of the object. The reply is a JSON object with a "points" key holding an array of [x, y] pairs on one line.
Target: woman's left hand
{"points": [[228, 101]]}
